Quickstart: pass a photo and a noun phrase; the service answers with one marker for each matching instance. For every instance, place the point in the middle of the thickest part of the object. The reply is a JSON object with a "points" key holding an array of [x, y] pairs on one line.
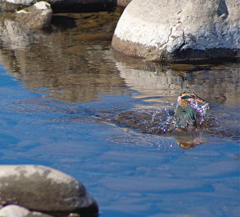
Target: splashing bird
{"points": [[189, 112]]}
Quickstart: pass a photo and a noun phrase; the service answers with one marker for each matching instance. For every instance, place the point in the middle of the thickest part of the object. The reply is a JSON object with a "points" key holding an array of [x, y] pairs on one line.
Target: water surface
{"points": [[60, 93]]}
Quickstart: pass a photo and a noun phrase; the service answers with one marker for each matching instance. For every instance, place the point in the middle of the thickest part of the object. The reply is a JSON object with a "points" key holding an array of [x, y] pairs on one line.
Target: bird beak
{"points": [[198, 99]]}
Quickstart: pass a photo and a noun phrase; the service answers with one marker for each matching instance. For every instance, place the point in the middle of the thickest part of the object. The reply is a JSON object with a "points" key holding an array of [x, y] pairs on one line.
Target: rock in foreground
{"points": [[179, 30], [44, 189]]}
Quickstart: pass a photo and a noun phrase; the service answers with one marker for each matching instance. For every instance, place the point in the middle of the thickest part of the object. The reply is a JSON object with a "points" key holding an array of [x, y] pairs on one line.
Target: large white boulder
{"points": [[176, 30], [44, 189]]}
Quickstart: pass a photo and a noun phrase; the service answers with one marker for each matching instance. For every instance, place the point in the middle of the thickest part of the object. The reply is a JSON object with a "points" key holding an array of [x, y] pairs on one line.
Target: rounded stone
{"points": [[37, 16], [44, 189], [18, 211], [173, 30], [12, 5], [14, 211]]}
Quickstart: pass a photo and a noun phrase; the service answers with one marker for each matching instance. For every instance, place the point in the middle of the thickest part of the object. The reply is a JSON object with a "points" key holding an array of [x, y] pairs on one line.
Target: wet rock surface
{"points": [[44, 189], [179, 31]]}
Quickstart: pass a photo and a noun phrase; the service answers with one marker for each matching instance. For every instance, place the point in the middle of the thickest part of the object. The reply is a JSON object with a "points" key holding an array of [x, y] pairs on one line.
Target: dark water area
{"points": [[62, 92]]}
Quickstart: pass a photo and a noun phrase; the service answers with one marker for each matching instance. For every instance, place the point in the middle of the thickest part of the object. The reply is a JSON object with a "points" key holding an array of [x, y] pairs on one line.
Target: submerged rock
{"points": [[44, 189], [179, 30], [22, 22]]}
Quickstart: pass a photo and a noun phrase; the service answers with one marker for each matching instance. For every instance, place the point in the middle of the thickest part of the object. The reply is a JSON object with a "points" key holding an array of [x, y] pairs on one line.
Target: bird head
{"points": [[186, 98]]}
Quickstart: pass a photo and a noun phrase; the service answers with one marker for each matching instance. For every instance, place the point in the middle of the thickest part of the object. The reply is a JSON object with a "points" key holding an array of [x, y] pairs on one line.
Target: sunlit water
{"points": [[61, 98]]}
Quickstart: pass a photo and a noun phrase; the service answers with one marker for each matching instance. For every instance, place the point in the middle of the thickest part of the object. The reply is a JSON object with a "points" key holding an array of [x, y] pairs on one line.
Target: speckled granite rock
{"points": [[173, 30], [44, 189]]}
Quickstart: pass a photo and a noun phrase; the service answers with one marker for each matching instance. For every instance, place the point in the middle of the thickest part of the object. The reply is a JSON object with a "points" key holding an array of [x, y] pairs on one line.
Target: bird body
{"points": [[185, 114], [185, 117]]}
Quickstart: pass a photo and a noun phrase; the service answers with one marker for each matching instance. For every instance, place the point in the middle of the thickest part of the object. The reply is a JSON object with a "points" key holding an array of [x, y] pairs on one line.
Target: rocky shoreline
{"points": [[155, 30], [35, 14]]}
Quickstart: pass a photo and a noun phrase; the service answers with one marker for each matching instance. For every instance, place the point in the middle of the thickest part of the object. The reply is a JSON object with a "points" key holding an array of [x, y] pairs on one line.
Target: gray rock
{"points": [[171, 30], [12, 5], [17, 30], [44, 189], [14, 35], [37, 16]]}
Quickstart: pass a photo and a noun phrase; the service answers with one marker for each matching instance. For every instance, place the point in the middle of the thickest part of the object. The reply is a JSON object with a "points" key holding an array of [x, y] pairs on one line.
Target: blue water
{"points": [[129, 173], [57, 111]]}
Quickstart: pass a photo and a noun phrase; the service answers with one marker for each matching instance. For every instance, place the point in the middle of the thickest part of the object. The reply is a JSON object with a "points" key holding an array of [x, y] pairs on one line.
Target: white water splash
{"points": [[201, 109]]}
